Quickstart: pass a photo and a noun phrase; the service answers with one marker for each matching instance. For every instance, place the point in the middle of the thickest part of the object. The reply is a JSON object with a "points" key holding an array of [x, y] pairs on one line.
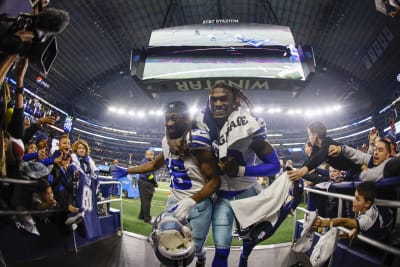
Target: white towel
{"points": [[264, 206]]}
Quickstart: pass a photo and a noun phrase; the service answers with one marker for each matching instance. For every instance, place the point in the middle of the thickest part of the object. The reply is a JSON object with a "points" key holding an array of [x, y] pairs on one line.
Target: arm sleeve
{"points": [[47, 161], [270, 167], [355, 155], [317, 159], [316, 179], [373, 174], [30, 156]]}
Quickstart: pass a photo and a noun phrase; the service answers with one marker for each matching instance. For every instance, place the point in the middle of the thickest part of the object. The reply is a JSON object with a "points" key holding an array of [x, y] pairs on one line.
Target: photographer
{"points": [[30, 35], [12, 43]]}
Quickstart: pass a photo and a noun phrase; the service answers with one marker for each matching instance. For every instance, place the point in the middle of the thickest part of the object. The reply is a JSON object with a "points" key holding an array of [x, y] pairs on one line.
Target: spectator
{"points": [[31, 129], [377, 161], [82, 160], [44, 199], [320, 149], [370, 221], [308, 148], [392, 142], [147, 184]]}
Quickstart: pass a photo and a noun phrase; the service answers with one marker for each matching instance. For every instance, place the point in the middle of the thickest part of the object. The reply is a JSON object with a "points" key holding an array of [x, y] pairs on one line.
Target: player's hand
{"points": [[229, 166], [183, 207], [118, 172]]}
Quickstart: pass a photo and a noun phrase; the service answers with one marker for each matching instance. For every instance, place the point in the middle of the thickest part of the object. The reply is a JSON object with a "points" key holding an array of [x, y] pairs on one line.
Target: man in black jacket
{"points": [[320, 149], [147, 183]]}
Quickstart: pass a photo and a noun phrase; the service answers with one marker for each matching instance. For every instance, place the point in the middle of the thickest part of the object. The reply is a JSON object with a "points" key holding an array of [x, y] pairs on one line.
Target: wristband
{"points": [[241, 171], [19, 90], [343, 149]]}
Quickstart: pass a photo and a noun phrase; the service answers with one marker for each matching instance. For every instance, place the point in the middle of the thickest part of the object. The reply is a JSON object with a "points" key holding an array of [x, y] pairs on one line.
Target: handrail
{"points": [[113, 200], [27, 212], [16, 181], [372, 242], [378, 202]]}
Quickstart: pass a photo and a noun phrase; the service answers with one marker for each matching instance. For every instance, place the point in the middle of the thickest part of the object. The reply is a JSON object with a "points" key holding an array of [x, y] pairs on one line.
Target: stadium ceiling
{"points": [[356, 49]]}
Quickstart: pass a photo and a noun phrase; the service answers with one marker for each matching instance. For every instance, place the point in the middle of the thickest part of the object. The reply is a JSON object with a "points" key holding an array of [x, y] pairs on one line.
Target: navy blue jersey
{"points": [[86, 201]]}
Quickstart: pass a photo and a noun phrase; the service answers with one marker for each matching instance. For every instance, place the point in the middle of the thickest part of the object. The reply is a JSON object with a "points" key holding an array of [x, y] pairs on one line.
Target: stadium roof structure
{"points": [[356, 50]]}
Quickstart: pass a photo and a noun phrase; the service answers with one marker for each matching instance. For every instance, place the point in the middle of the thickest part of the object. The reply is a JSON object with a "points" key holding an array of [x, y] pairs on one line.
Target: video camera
{"points": [[45, 26]]}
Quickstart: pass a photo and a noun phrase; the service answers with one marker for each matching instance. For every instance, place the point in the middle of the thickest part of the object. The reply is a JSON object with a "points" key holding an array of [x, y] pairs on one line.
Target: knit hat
{"points": [[40, 136]]}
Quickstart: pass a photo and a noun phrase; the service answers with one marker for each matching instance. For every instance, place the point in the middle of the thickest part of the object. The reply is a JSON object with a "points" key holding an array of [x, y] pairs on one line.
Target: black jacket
{"points": [[320, 154]]}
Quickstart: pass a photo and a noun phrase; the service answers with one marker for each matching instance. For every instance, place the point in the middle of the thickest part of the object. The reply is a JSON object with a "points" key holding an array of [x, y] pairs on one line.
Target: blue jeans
{"points": [[223, 219], [200, 220]]}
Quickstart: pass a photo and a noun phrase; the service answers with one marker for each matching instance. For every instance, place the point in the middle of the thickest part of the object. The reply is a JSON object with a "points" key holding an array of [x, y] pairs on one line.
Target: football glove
{"points": [[183, 207], [118, 172]]}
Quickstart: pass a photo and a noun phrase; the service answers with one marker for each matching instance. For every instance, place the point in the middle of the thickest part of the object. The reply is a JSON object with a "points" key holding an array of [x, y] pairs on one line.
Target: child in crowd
{"points": [[30, 147], [81, 158], [44, 199], [61, 182], [85, 184], [370, 221]]}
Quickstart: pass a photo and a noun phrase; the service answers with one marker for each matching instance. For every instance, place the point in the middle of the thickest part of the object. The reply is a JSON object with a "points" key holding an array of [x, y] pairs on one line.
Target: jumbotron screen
{"points": [[223, 50]]}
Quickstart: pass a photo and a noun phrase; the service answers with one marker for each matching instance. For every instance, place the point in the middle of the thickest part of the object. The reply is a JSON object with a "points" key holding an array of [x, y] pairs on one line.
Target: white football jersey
{"points": [[186, 178], [238, 148]]}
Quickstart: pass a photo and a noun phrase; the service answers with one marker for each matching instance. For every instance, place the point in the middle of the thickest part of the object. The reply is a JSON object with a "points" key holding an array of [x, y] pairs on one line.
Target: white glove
{"points": [[183, 208]]}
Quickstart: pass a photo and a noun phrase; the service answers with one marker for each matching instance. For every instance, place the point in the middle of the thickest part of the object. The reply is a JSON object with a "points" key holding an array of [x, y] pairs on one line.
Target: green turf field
{"points": [[133, 224]]}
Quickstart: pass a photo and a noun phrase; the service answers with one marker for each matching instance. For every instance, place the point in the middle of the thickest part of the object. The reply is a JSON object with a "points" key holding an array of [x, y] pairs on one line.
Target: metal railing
{"points": [[361, 237], [7, 180], [27, 212], [119, 199]]}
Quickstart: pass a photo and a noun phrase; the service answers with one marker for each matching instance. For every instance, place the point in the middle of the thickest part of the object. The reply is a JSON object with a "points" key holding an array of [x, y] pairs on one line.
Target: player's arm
{"points": [[264, 151], [209, 168], [267, 154], [149, 166], [118, 171]]}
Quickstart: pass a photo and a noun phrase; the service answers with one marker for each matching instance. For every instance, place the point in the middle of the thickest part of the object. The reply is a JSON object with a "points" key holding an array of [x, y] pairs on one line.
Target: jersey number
{"points": [[179, 177], [87, 204]]}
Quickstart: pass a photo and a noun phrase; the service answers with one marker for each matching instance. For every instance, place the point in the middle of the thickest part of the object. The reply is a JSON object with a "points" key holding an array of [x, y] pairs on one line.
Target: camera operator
{"points": [[13, 43]]}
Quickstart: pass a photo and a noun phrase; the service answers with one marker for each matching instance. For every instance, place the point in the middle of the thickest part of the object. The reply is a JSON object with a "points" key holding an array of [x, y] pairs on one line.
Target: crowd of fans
{"points": [[30, 152]]}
